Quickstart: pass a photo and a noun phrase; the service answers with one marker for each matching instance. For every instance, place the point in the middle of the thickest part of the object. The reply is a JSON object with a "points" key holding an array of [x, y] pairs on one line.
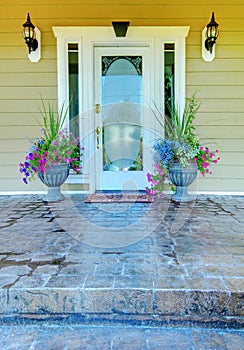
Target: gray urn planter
{"points": [[182, 178], [53, 179]]}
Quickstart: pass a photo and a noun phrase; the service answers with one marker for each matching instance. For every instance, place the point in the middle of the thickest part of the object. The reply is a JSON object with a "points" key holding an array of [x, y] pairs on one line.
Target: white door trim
{"points": [[113, 180], [89, 37]]}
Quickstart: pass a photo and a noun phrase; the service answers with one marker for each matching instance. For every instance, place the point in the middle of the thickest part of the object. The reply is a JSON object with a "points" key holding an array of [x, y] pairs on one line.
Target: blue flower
{"points": [[164, 152]]}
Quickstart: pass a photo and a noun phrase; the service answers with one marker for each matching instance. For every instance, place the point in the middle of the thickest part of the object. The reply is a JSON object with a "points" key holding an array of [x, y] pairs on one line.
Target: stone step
{"points": [[141, 307], [162, 264]]}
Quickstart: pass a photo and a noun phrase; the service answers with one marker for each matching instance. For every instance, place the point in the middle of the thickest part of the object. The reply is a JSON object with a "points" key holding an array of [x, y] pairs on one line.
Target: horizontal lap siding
{"points": [[219, 84], [220, 88]]}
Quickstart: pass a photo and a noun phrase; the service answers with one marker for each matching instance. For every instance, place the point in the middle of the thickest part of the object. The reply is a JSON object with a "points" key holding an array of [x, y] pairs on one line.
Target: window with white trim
{"points": [[73, 88]]}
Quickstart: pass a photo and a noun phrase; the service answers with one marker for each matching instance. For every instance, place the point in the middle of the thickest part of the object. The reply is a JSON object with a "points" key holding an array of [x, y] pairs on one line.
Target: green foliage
{"points": [[181, 128], [52, 121]]}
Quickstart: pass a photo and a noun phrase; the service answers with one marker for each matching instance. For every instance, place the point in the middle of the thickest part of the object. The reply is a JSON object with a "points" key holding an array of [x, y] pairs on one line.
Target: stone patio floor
{"points": [[75, 275]]}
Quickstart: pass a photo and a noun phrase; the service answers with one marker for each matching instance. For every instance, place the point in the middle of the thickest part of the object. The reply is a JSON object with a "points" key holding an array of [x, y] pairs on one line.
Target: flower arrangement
{"points": [[180, 145], [56, 146]]}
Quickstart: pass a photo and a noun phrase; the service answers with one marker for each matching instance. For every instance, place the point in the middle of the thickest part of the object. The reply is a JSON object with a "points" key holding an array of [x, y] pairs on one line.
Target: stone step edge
{"points": [[136, 302], [156, 321]]}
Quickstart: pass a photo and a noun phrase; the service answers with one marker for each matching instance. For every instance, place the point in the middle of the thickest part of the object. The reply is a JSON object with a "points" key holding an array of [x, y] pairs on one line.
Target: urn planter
{"points": [[53, 178], [182, 177]]}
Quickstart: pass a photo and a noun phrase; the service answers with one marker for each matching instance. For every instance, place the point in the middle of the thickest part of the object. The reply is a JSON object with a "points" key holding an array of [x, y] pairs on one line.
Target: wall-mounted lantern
{"points": [[32, 38], [209, 36], [120, 28]]}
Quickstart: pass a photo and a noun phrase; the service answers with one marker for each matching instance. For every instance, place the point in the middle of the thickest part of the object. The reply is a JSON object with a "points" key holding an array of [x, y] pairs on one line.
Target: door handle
{"points": [[98, 131], [98, 108]]}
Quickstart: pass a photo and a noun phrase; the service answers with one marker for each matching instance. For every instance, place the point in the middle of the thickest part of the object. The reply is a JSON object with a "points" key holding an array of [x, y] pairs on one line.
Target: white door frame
{"points": [[113, 180], [87, 39]]}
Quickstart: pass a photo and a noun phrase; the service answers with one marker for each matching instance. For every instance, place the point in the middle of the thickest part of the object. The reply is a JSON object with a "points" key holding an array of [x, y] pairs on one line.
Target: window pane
{"points": [[122, 120], [73, 70], [169, 75]]}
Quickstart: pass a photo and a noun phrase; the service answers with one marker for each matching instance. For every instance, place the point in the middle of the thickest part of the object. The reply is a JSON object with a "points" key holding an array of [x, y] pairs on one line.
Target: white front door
{"points": [[123, 76], [121, 89]]}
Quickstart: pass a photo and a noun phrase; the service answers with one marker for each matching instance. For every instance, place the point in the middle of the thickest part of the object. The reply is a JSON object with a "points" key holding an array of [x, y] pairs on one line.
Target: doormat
{"points": [[119, 198]]}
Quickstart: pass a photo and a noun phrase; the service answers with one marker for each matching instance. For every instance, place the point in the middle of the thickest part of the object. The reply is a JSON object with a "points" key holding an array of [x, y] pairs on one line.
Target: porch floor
{"points": [[158, 271]]}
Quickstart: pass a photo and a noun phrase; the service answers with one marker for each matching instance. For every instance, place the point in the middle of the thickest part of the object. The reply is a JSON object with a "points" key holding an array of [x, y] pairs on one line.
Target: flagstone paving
{"points": [[117, 338], [75, 271]]}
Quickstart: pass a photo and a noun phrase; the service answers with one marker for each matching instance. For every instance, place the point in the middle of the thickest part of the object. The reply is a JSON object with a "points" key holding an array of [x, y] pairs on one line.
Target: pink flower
{"points": [[148, 177], [41, 167]]}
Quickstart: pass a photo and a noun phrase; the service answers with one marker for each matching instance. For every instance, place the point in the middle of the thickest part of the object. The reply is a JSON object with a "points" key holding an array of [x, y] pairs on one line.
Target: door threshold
{"points": [[121, 191]]}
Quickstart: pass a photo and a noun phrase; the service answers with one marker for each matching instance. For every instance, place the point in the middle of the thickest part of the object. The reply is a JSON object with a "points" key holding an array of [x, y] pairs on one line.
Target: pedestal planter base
{"points": [[53, 179], [181, 195], [53, 195], [182, 178]]}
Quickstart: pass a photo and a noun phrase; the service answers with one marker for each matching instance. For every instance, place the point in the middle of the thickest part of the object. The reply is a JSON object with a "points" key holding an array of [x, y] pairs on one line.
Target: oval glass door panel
{"points": [[121, 114]]}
